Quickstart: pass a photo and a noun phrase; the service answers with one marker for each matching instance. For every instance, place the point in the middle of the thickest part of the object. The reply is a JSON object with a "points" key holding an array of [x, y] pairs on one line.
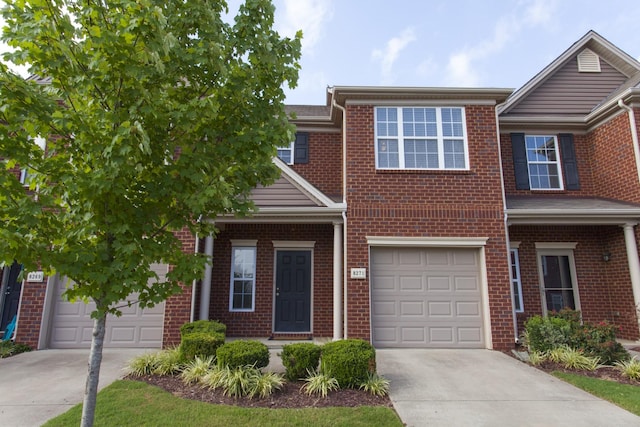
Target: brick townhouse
{"points": [[419, 217]]}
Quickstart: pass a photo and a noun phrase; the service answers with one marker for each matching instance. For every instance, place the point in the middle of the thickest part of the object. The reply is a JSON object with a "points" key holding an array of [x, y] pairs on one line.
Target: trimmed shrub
{"points": [[241, 353], [348, 361], [547, 333], [300, 358], [201, 344], [208, 326], [599, 340], [565, 329]]}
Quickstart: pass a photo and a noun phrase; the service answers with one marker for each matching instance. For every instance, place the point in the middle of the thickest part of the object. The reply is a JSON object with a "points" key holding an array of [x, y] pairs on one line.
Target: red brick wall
{"points": [[604, 289], [259, 323], [427, 204], [30, 312], [324, 169], [615, 172], [177, 309]]}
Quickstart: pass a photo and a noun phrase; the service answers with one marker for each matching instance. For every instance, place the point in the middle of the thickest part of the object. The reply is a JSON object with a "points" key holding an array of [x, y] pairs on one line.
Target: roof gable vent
{"points": [[588, 62]]}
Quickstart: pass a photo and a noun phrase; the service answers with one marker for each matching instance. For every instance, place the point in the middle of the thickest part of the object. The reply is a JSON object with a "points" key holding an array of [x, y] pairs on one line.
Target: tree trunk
{"points": [[93, 374]]}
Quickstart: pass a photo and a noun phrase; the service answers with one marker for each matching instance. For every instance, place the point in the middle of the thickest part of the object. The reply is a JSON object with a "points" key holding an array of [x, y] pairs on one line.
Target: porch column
{"points": [[634, 263], [205, 294], [337, 280]]}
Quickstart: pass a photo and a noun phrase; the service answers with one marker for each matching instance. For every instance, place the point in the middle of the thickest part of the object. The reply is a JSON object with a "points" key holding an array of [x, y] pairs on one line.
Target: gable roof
{"points": [[561, 90], [290, 196]]}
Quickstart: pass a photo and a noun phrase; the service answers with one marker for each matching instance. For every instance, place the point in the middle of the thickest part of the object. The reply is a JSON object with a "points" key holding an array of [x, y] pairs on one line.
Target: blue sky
{"points": [[466, 43]]}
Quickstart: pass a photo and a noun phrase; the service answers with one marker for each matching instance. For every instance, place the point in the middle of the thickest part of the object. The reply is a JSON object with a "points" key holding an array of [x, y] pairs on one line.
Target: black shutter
{"points": [[569, 163], [520, 166], [301, 148]]}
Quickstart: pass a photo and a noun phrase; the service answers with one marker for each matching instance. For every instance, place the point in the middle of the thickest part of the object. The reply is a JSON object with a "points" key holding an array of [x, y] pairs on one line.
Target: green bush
{"points": [[547, 333], [10, 348], [201, 344], [599, 340], [565, 329], [300, 358], [241, 353], [348, 361], [208, 326]]}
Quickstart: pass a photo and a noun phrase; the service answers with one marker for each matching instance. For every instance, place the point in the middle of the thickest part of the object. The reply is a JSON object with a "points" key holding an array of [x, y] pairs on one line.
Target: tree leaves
{"points": [[156, 114]]}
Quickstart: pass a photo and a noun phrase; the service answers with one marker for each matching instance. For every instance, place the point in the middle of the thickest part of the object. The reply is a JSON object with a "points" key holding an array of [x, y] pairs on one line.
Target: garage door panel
{"points": [[439, 308], [436, 258], [409, 258], [412, 308], [385, 283], [411, 283], [445, 311], [466, 283], [468, 308], [72, 325], [384, 308], [438, 283]]}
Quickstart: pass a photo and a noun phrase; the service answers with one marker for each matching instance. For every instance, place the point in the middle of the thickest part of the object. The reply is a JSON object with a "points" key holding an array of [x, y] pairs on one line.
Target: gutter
{"points": [[634, 133]]}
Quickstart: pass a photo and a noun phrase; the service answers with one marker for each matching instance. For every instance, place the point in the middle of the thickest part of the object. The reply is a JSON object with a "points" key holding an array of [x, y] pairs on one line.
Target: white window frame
{"points": [[516, 282], [557, 249], [440, 138], [557, 162], [243, 245], [291, 149]]}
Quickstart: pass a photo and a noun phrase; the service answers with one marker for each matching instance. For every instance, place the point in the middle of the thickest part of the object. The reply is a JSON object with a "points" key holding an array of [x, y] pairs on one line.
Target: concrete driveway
{"points": [[39, 385], [487, 388]]}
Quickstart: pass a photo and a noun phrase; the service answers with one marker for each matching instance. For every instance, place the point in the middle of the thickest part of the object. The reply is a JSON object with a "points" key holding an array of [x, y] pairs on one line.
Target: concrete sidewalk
{"points": [[39, 385], [487, 388]]}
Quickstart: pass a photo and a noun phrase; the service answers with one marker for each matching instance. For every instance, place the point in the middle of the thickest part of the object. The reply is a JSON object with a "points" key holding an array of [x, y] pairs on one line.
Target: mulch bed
{"points": [[604, 373], [290, 396]]}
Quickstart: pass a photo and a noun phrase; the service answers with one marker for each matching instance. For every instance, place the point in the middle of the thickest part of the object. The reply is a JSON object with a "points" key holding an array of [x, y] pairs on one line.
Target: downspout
{"points": [[514, 318], [205, 295], [344, 213], [634, 133], [194, 285]]}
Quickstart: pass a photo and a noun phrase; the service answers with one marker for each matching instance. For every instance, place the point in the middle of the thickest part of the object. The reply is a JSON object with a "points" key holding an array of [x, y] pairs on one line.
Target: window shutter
{"points": [[520, 166], [301, 148], [569, 163]]}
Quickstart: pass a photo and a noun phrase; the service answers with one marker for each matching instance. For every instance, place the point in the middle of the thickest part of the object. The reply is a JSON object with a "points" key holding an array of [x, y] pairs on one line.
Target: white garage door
{"points": [[426, 298], [72, 324]]}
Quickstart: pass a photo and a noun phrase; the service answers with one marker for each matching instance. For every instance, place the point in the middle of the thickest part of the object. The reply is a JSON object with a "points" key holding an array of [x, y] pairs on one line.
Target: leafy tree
{"points": [[156, 114]]}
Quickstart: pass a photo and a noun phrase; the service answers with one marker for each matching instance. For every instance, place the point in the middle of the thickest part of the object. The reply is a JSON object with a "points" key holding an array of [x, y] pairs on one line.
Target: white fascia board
{"points": [[575, 217], [457, 242], [304, 185]]}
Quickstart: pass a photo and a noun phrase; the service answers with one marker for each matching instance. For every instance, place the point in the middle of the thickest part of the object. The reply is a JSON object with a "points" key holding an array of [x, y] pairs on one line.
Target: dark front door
{"points": [[293, 291], [11, 289]]}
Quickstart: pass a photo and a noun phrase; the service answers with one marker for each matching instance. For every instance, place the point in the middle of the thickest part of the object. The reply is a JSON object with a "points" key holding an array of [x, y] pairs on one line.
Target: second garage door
{"points": [[72, 324], [426, 298]]}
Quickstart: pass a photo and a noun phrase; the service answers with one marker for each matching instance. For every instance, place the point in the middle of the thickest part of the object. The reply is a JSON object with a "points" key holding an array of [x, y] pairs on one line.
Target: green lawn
{"points": [[136, 403], [624, 395]]}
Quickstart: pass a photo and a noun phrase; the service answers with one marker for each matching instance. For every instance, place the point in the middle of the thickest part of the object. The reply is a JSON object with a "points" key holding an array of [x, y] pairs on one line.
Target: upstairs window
{"points": [[297, 151], [286, 153], [421, 138], [544, 162]]}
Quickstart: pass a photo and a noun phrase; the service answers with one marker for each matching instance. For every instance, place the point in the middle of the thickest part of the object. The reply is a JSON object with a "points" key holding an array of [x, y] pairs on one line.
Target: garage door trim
{"points": [[444, 243]]}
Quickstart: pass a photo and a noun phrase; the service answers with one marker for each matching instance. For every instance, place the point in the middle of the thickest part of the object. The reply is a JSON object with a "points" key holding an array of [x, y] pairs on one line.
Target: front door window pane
{"points": [[558, 285]]}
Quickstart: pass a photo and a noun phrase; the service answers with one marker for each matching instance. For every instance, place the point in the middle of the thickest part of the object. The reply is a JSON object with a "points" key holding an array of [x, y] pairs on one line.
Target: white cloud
{"points": [[310, 16], [311, 86], [460, 68], [390, 53]]}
